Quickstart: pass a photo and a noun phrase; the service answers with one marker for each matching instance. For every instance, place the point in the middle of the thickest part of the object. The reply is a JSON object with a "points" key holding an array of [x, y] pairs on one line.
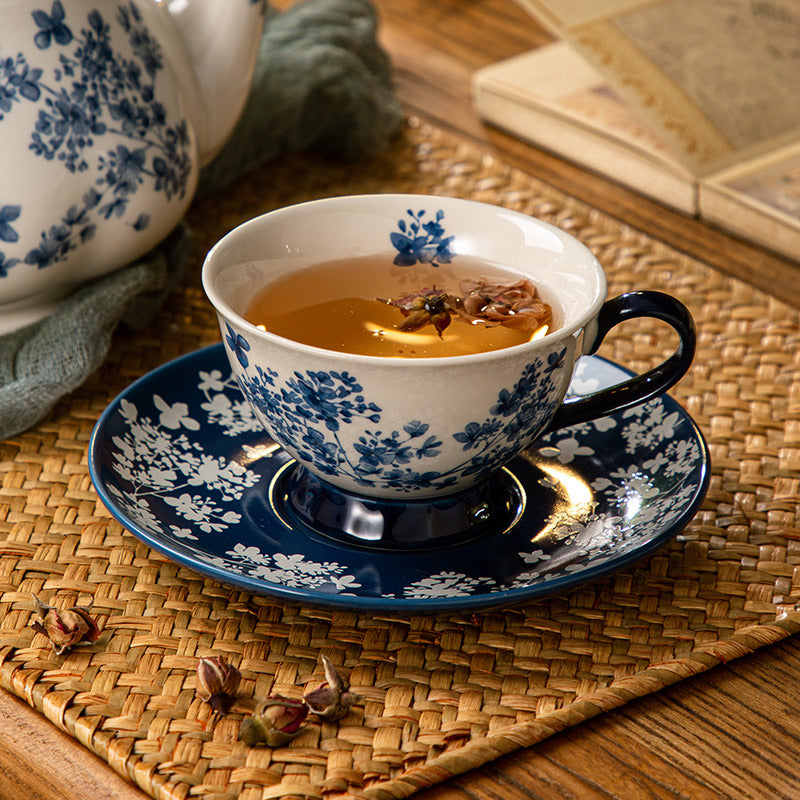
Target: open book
{"points": [[696, 105]]}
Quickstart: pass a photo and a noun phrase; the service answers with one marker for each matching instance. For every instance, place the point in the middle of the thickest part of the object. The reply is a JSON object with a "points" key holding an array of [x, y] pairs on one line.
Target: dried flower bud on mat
{"points": [[217, 682], [275, 722], [331, 700], [65, 628]]}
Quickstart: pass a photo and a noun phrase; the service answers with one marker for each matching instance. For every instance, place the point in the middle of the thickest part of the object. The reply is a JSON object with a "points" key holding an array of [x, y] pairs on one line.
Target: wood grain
{"points": [[732, 732], [39, 762]]}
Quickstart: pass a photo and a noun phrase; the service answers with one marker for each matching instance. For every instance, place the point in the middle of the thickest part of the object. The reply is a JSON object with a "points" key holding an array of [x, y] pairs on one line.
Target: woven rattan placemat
{"points": [[442, 693]]}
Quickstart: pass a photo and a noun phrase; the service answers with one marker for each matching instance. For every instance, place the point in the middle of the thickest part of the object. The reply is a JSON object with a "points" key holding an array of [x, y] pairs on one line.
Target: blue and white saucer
{"points": [[179, 460]]}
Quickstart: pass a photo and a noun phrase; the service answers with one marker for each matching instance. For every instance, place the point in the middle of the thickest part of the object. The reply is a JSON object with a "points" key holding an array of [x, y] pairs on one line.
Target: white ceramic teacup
{"points": [[396, 429]]}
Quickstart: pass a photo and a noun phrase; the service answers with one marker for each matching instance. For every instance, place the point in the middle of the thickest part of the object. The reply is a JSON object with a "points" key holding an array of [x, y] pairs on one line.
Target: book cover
{"points": [[758, 200]]}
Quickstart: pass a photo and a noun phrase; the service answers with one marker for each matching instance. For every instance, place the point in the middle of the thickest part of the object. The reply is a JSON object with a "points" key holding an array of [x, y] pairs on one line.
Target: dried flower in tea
{"points": [[427, 307], [513, 305], [217, 682], [336, 305], [275, 722], [65, 628], [331, 700]]}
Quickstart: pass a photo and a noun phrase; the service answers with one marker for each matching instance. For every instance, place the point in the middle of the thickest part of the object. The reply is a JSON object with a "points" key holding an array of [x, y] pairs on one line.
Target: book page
{"points": [[602, 107], [558, 78], [717, 78], [554, 98], [759, 200]]}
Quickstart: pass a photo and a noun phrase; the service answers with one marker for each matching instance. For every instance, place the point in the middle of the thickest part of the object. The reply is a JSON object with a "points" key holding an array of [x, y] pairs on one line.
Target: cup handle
{"points": [[644, 387]]}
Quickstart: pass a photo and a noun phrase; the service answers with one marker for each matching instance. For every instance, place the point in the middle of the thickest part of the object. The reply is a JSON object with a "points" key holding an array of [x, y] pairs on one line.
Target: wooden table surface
{"points": [[731, 732]]}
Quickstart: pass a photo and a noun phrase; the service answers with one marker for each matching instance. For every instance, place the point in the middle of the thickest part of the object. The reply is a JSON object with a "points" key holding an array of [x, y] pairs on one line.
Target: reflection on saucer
{"points": [[304, 502]]}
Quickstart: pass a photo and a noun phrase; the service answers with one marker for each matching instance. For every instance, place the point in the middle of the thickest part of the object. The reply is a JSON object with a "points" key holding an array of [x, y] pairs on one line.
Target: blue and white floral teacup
{"points": [[397, 429]]}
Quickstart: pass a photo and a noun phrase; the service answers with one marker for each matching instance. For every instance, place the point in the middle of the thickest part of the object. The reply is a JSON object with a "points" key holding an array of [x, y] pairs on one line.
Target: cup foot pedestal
{"points": [[304, 501], [595, 499]]}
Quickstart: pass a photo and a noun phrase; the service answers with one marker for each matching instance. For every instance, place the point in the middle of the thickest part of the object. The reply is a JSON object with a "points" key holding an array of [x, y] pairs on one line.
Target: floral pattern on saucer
{"points": [[180, 460], [157, 459]]}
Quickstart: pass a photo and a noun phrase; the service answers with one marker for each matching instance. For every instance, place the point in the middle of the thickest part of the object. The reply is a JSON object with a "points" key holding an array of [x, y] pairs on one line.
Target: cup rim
{"points": [[564, 331]]}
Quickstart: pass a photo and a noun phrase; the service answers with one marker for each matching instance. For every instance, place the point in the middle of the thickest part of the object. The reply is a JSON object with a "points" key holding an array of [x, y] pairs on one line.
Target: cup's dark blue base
{"points": [[360, 521]]}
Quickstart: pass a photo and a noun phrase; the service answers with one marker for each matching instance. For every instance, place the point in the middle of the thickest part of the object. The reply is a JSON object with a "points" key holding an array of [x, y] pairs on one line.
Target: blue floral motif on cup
{"points": [[95, 92], [307, 412], [7, 234], [7, 215], [238, 344], [421, 241], [51, 27]]}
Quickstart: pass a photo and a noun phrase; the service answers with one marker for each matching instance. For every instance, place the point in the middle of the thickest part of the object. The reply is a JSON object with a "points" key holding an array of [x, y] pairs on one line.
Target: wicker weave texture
{"points": [[442, 693]]}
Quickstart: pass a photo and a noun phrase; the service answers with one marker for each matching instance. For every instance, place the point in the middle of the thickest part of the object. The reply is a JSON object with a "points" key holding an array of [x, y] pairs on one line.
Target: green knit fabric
{"points": [[322, 82]]}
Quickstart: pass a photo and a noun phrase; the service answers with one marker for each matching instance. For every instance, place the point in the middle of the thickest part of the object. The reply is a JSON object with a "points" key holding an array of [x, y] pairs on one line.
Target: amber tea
{"points": [[368, 306]]}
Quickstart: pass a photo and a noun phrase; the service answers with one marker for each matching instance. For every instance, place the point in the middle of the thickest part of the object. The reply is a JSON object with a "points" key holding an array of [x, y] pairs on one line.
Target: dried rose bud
{"points": [[331, 700], [414, 320], [427, 307], [440, 320], [514, 305], [64, 628], [217, 683], [275, 722]]}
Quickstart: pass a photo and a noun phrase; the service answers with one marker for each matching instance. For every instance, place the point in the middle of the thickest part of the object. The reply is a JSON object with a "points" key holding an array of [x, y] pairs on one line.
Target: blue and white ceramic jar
{"points": [[107, 112]]}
